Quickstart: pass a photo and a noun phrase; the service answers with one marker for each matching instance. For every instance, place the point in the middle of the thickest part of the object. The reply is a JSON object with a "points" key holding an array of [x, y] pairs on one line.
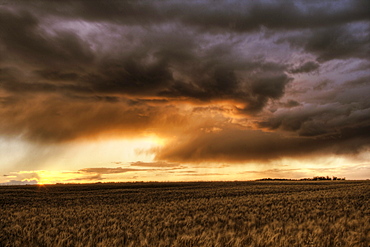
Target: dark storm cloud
{"points": [[60, 119], [23, 39], [77, 69], [290, 104], [130, 77], [55, 75], [350, 108], [331, 43], [307, 67], [212, 15], [334, 42], [235, 145], [264, 89], [213, 78], [131, 74], [218, 83], [61, 77]]}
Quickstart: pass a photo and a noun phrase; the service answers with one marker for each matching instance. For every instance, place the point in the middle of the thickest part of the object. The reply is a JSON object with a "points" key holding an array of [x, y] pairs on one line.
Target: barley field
{"points": [[258, 213]]}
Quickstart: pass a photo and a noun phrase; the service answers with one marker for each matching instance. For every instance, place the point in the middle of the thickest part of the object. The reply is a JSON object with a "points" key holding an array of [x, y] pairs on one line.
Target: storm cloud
{"points": [[246, 145], [224, 80]]}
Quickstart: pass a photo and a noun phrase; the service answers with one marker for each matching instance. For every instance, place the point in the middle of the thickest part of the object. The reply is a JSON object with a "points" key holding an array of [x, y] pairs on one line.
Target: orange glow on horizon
{"points": [[162, 171]]}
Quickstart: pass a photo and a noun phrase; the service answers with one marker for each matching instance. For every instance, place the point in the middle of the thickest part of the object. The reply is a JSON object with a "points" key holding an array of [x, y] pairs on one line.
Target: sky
{"points": [[101, 91]]}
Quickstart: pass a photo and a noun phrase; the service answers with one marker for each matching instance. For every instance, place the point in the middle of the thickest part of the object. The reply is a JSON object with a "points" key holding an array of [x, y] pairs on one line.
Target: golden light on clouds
{"points": [[221, 97], [208, 171]]}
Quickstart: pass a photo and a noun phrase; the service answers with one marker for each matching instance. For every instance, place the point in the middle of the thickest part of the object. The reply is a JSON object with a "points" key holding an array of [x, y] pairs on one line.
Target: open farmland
{"points": [[322, 213]]}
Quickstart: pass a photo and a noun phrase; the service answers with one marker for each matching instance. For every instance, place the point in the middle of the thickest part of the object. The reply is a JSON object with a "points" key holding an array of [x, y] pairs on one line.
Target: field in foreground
{"points": [[335, 213]]}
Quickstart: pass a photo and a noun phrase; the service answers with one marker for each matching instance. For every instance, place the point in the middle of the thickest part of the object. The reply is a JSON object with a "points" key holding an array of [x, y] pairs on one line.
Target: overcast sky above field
{"points": [[95, 91]]}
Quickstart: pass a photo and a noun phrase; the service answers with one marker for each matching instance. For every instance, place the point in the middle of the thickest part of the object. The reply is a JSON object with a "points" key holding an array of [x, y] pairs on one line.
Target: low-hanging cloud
{"points": [[246, 145], [159, 164], [106, 170]]}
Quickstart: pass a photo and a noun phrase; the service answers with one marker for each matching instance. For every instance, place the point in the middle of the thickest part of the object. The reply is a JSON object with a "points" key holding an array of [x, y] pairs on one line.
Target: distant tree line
{"points": [[317, 178], [324, 178]]}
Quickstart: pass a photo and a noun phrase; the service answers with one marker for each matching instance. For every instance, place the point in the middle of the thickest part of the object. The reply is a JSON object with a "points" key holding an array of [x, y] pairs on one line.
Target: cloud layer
{"points": [[222, 80]]}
